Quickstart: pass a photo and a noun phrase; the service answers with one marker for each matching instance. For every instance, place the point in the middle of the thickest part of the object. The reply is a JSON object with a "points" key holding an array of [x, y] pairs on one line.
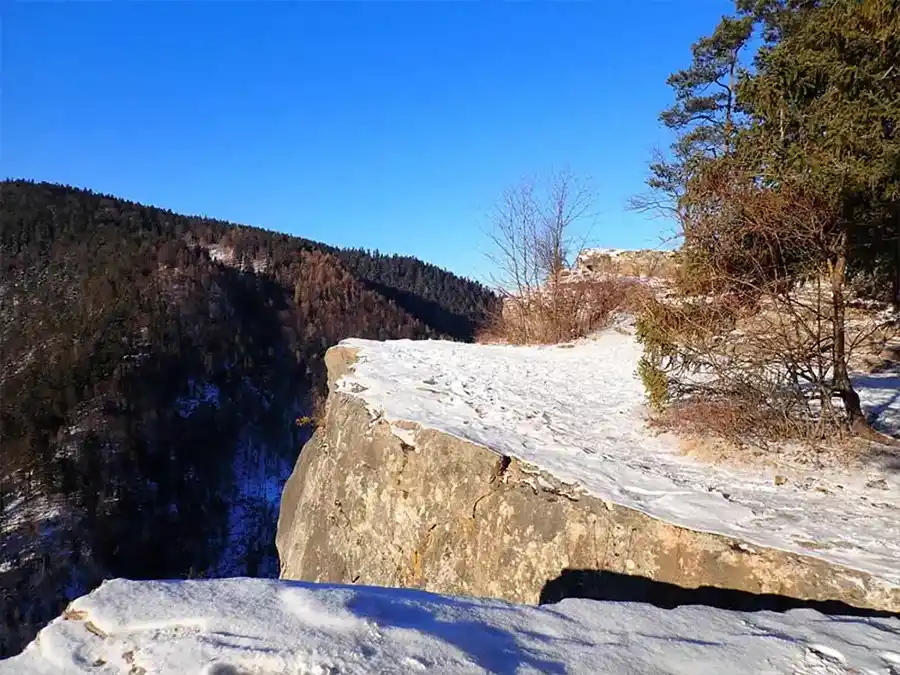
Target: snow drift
{"points": [[244, 626]]}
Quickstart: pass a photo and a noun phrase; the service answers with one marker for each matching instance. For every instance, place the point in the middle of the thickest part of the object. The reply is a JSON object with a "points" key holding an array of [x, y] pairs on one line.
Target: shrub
{"points": [[562, 311], [756, 335], [656, 382]]}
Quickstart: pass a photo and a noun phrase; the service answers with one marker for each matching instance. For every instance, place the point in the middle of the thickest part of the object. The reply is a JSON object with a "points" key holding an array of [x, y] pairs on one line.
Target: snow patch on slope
{"points": [[260, 472], [266, 626], [200, 393], [577, 411], [24, 520], [880, 394]]}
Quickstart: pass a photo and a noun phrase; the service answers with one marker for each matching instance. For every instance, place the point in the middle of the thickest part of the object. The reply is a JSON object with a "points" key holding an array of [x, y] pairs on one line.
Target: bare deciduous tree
{"points": [[534, 237], [532, 231]]}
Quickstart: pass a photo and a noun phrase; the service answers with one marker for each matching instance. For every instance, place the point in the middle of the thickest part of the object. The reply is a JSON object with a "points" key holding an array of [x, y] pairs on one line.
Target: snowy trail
{"points": [[577, 411], [260, 626]]}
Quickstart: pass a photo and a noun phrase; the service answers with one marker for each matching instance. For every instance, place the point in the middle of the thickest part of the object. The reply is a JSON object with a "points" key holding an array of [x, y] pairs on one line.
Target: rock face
{"points": [[637, 263], [370, 504]]}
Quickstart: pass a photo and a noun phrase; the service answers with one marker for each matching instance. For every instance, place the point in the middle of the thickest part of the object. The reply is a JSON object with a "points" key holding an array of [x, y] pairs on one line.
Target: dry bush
{"points": [[756, 342], [563, 312], [742, 418], [544, 300], [316, 417], [532, 232]]}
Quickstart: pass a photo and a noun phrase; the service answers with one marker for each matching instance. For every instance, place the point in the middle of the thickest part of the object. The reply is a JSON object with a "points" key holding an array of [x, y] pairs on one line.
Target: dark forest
{"points": [[152, 367]]}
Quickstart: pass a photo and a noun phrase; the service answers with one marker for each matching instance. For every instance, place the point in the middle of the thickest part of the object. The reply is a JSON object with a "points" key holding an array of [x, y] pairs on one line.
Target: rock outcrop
{"points": [[632, 263], [392, 503]]}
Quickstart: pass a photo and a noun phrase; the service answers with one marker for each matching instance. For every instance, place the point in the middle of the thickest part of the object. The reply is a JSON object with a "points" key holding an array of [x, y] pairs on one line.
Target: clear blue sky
{"points": [[389, 125]]}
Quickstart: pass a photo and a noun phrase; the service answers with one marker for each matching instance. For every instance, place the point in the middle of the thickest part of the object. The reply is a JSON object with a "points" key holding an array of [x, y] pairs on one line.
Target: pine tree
{"points": [[814, 124], [705, 115], [825, 108]]}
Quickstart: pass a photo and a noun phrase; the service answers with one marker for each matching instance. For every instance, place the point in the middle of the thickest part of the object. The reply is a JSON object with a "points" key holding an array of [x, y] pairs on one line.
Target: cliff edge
{"points": [[527, 474]]}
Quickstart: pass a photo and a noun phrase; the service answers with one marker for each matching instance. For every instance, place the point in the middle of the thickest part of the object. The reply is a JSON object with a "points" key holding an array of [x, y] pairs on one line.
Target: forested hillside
{"points": [[152, 367]]}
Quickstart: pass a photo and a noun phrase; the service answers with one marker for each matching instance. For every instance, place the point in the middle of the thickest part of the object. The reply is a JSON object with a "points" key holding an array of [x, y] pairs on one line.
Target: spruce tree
{"points": [[824, 105]]}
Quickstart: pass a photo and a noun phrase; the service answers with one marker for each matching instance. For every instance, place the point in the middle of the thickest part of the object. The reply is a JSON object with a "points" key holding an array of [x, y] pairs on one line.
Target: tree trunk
{"points": [[842, 384], [895, 277]]}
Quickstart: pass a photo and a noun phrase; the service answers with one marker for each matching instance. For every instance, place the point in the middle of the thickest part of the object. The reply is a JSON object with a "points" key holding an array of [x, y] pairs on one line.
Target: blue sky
{"points": [[389, 125]]}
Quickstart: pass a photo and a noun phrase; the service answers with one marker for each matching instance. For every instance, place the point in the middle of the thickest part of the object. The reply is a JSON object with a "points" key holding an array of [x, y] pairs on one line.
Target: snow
{"points": [[20, 511], [201, 393], [613, 252], [617, 252], [225, 255], [244, 626], [27, 525], [261, 468], [881, 394], [221, 254], [262, 463], [577, 412], [586, 256]]}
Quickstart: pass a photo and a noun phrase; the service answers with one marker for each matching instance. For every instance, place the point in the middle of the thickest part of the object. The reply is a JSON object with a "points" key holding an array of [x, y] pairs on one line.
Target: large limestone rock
{"points": [[636, 263], [367, 504]]}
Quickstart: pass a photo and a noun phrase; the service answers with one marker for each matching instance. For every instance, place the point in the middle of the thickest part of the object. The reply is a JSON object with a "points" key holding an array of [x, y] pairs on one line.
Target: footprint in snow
{"points": [[415, 663], [220, 668]]}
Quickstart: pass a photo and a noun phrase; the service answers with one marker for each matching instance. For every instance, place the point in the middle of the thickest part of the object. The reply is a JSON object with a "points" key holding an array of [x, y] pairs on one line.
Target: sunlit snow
{"points": [[578, 412], [259, 626]]}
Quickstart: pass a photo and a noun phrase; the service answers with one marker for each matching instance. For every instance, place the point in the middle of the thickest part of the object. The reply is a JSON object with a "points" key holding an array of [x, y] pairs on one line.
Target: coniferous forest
{"points": [[152, 368]]}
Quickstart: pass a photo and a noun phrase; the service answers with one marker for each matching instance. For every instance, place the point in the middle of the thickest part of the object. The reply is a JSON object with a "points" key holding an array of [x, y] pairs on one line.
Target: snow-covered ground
{"points": [[880, 393], [259, 626], [577, 411]]}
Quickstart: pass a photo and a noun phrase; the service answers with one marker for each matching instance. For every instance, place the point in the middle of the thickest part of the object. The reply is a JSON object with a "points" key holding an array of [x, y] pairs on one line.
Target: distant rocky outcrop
{"points": [[395, 504], [641, 263]]}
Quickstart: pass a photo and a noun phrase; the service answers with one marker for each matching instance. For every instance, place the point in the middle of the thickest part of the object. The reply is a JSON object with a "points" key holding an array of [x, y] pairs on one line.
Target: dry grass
{"points": [[792, 461], [561, 312], [740, 422]]}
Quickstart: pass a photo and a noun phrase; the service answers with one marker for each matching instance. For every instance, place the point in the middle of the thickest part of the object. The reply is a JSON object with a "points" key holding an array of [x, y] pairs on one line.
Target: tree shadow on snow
{"points": [[494, 649], [604, 585], [884, 392]]}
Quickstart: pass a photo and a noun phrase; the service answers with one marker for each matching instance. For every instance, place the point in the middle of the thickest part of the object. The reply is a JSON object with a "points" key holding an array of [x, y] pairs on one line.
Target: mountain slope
{"points": [[151, 369]]}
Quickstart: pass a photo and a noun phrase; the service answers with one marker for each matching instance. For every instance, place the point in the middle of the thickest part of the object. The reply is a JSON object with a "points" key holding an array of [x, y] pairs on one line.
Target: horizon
{"points": [[391, 126]]}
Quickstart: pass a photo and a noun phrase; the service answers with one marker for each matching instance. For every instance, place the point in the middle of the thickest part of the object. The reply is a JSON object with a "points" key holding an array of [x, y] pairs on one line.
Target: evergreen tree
{"points": [[815, 120], [114, 314], [705, 115], [825, 108], [825, 104]]}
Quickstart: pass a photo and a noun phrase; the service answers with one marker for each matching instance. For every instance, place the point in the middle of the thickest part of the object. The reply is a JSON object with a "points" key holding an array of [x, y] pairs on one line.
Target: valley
{"points": [[154, 367]]}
